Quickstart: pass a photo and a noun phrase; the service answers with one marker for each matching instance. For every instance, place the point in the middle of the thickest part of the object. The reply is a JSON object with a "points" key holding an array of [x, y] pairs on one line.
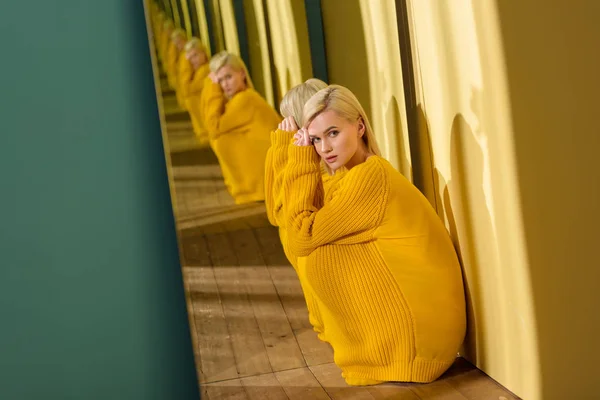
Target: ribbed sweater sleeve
{"points": [[221, 118], [275, 164], [198, 80], [185, 73], [350, 216]]}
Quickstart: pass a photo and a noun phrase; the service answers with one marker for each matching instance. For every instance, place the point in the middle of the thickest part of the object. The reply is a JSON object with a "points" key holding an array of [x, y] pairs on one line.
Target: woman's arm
{"points": [[275, 164], [351, 216], [198, 80], [221, 118], [184, 76]]}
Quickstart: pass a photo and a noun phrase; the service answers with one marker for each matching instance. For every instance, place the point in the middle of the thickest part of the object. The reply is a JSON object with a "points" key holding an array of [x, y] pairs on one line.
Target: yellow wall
{"points": [[465, 124], [290, 45], [203, 25], [361, 40], [187, 22], [258, 49], [553, 64], [229, 27], [217, 26]]}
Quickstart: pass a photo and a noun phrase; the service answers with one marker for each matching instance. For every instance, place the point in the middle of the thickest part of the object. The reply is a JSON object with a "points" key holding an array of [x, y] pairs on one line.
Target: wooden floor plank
{"points": [[226, 390], [300, 384], [288, 287], [475, 385], [284, 277], [193, 330], [246, 339], [282, 348], [214, 344], [438, 390], [392, 391], [315, 351], [264, 387], [329, 376]]}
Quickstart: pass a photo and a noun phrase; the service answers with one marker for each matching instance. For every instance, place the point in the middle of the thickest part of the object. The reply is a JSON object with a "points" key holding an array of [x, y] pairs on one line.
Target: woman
{"points": [[238, 120], [193, 70], [291, 109], [378, 258], [174, 55], [165, 39]]}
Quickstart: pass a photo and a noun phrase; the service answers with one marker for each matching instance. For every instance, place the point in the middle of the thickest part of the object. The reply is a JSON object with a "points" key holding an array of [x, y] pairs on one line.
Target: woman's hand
{"points": [[288, 125], [301, 138], [213, 77]]}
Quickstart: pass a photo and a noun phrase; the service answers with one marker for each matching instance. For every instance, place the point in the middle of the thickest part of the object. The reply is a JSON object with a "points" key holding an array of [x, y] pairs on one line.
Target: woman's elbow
{"points": [[301, 247]]}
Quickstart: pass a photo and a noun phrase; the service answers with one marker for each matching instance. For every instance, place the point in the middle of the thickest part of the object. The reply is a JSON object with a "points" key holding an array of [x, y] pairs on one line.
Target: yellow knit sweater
{"points": [[275, 166], [382, 268], [163, 41], [190, 88], [183, 76], [171, 64], [239, 135]]}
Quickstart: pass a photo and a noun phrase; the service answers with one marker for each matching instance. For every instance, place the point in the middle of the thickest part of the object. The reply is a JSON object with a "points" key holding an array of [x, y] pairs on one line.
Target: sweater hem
{"points": [[418, 370], [281, 138], [249, 198], [303, 155]]}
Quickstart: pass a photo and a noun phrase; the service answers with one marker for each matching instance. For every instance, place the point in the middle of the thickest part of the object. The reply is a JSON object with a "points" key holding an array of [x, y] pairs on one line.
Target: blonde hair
{"points": [[293, 102], [215, 61], [195, 43], [234, 62], [178, 32], [167, 24], [345, 104]]}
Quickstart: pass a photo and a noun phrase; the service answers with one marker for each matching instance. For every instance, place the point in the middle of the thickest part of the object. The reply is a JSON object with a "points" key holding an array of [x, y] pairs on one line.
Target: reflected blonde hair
{"points": [[294, 100], [215, 61], [167, 24], [234, 62], [195, 43], [178, 32], [345, 104]]}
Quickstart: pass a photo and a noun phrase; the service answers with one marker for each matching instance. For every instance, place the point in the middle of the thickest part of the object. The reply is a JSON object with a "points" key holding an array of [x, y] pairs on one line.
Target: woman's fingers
{"points": [[288, 124], [292, 123], [305, 137]]}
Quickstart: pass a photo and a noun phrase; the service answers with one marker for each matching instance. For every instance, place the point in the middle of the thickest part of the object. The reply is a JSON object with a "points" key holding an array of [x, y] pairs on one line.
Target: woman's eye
{"points": [[333, 133], [314, 140]]}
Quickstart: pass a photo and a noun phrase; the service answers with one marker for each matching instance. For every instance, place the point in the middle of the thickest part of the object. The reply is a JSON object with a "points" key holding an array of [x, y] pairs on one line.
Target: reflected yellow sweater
{"points": [[239, 135], [165, 40], [275, 166], [171, 64], [382, 268], [183, 76], [190, 88]]}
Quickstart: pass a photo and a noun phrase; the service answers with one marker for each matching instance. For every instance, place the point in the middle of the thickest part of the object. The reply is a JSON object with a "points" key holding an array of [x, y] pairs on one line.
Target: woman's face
{"points": [[179, 42], [231, 80], [197, 58], [336, 139]]}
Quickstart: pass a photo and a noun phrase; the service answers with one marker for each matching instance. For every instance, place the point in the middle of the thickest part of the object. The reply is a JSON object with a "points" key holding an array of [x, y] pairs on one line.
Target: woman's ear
{"points": [[361, 127]]}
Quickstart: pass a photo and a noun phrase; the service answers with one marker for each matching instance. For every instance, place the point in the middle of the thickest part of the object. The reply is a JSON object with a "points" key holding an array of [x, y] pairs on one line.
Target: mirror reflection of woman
{"points": [[193, 70], [238, 121], [164, 40], [174, 56], [379, 260], [291, 108]]}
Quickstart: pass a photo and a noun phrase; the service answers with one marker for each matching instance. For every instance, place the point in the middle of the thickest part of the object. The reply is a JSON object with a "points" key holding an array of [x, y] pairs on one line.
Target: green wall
{"points": [[91, 296]]}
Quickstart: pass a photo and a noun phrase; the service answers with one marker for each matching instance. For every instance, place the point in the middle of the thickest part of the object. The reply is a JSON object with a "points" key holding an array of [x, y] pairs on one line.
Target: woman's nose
{"points": [[325, 148]]}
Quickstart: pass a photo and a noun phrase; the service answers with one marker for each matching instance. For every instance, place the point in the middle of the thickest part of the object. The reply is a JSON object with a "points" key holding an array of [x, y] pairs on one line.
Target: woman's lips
{"points": [[331, 159]]}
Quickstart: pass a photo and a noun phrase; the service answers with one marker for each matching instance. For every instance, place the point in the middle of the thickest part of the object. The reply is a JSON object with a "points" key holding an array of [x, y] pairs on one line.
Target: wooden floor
{"points": [[249, 322]]}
